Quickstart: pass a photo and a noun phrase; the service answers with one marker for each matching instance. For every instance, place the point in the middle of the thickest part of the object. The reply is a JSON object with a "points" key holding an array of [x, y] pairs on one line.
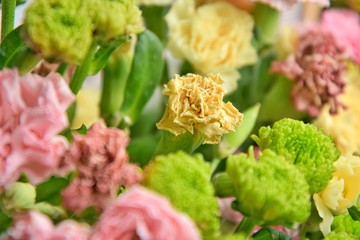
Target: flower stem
{"points": [[7, 17], [82, 70], [246, 226]]}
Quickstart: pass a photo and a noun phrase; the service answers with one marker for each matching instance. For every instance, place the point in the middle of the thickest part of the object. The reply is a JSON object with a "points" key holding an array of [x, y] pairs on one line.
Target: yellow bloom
{"points": [[214, 38], [87, 107], [196, 105], [341, 192], [286, 42], [344, 125]]}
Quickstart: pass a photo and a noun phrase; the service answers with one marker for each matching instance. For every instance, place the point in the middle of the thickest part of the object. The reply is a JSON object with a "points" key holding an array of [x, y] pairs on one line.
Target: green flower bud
{"points": [[59, 29], [20, 196], [52, 211], [269, 190], [185, 181]]}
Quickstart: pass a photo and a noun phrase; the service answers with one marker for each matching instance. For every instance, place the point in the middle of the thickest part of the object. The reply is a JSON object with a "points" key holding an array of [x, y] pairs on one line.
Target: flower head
{"points": [[142, 214], [34, 225], [193, 194], [212, 41], [303, 145], [283, 5], [341, 192], [317, 69], [102, 163], [269, 190], [59, 29], [344, 25], [196, 105], [33, 112]]}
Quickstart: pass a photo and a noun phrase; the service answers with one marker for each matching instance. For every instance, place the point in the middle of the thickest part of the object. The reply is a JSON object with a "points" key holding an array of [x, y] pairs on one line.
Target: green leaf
{"points": [[15, 53], [232, 141], [270, 234], [50, 191], [5, 222], [354, 213], [103, 54], [146, 74]]}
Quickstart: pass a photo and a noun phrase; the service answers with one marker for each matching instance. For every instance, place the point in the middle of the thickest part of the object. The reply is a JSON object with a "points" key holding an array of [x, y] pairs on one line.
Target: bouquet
{"points": [[204, 119]]}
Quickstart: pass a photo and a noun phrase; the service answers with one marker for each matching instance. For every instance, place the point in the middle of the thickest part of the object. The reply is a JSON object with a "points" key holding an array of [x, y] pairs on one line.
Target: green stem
{"points": [[82, 70], [62, 68], [7, 17], [246, 226]]}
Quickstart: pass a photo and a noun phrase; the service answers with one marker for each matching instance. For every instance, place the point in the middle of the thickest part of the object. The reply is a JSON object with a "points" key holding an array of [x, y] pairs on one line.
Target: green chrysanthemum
{"points": [[59, 29], [304, 145], [270, 190], [344, 223], [114, 17], [184, 179], [339, 236]]}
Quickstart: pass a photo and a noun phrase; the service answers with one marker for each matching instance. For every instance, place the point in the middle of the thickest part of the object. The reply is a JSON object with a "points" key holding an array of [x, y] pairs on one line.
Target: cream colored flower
{"points": [[345, 125], [214, 38], [196, 105], [341, 192], [87, 107], [155, 2]]}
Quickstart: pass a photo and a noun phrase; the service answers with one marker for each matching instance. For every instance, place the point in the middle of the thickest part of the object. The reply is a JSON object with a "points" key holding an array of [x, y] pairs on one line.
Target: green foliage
{"points": [[184, 179], [270, 234], [145, 76], [303, 145], [268, 190]]}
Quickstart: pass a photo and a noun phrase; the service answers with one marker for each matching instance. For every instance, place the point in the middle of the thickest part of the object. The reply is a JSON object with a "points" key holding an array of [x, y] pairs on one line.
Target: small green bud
{"points": [[50, 210], [223, 185], [20, 196], [59, 29]]}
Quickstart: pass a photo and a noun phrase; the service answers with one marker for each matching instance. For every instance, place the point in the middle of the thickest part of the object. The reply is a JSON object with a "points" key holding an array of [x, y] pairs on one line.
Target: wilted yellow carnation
{"points": [[196, 105], [341, 192], [87, 107], [214, 38], [345, 125]]}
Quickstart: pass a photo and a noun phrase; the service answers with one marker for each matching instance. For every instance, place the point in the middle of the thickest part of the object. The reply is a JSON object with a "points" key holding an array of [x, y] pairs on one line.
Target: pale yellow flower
{"points": [[341, 192], [286, 41], [214, 38], [196, 105], [345, 125], [155, 2], [87, 107]]}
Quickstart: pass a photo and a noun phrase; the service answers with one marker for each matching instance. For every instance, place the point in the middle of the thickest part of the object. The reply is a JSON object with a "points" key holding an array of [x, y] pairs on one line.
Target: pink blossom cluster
{"points": [[137, 214], [33, 112], [317, 69], [102, 166]]}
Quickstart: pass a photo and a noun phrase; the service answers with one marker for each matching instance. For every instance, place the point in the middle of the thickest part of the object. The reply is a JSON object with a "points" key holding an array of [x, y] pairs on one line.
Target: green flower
{"points": [[339, 236], [268, 190], [344, 223], [19, 197], [184, 179], [115, 17], [59, 29], [304, 145]]}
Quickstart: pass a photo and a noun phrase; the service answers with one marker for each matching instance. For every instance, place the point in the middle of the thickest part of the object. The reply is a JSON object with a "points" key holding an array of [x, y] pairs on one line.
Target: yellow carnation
{"points": [[341, 192], [87, 107], [344, 125], [214, 38], [196, 105]]}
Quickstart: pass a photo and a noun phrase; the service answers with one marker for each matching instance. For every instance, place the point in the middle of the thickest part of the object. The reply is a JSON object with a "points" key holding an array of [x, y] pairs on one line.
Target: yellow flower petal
{"points": [[324, 213]]}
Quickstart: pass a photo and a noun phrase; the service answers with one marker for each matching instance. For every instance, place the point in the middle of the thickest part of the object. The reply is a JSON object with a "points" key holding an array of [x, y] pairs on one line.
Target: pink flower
{"points": [[141, 214], [345, 27], [36, 226], [227, 212], [33, 112], [283, 5], [317, 69], [103, 166]]}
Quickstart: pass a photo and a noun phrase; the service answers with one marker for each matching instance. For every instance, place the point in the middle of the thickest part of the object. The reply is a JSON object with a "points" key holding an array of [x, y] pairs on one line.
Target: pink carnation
{"points": [[34, 225], [283, 5], [141, 214], [345, 27], [33, 112], [103, 166], [317, 69]]}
